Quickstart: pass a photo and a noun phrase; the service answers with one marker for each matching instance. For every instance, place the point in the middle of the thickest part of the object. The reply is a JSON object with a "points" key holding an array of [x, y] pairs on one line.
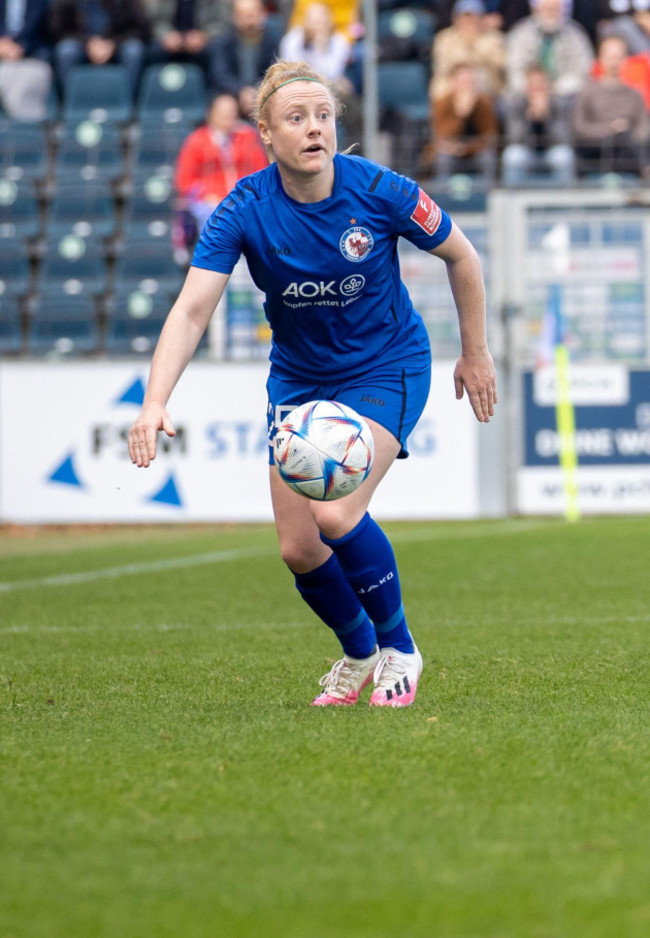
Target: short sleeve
{"points": [[220, 245], [416, 216]]}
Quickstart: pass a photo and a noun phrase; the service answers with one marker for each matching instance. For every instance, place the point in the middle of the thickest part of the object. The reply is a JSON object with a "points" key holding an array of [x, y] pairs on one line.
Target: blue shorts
{"points": [[393, 398]]}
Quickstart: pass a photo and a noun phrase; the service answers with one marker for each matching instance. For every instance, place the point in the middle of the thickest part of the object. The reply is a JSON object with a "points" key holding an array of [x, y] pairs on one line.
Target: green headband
{"points": [[288, 82]]}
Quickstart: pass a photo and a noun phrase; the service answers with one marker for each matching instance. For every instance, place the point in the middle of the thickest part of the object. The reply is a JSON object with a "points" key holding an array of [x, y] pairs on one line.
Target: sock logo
{"points": [[363, 590]]}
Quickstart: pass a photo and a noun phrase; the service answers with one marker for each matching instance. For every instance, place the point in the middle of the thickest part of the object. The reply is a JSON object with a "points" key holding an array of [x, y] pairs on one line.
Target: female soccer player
{"points": [[319, 231]]}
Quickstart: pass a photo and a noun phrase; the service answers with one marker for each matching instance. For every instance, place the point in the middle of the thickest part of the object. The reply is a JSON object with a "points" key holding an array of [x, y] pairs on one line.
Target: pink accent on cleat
{"points": [[396, 678], [345, 681]]}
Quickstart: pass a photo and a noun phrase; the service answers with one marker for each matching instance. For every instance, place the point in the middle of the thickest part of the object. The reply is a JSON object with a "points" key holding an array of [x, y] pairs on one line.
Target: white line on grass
{"points": [[110, 573], [130, 569], [25, 629]]}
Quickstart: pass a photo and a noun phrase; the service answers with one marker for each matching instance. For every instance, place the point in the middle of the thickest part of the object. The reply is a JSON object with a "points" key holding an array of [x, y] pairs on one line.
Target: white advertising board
{"points": [[63, 455]]}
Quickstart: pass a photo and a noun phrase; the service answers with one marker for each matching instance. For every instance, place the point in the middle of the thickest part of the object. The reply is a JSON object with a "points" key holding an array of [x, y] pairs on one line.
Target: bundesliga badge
{"points": [[427, 214], [356, 244]]}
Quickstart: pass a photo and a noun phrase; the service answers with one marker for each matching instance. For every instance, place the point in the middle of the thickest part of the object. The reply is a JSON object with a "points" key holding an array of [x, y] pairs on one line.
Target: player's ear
{"points": [[264, 133]]}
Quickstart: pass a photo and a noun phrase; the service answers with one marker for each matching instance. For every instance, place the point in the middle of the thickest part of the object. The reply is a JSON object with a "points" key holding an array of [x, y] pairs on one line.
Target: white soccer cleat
{"points": [[396, 678], [346, 680]]}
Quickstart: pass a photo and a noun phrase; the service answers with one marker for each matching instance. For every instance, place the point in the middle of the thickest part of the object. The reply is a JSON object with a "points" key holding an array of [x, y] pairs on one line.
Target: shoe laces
{"points": [[341, 678], [390, 668]]}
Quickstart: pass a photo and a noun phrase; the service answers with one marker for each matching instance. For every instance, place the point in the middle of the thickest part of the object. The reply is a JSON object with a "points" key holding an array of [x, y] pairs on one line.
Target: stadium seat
{"points": [[84, 210], [63, 323], [19, 211], [157, 146], [15, 268], [11, 333], [151, 199], [23, 151], [99, 93], [88, 151], [403, 89], [405, 34], [134, 320], [148, 263], [172, 93], [73, 264], [462, 193]]}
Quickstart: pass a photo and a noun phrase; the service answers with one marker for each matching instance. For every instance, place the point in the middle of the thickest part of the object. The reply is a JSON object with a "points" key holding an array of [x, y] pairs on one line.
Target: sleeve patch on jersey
{"points": [[427, 214]]}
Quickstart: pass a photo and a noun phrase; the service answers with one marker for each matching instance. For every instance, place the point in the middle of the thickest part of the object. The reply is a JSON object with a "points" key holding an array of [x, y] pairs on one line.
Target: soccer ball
{"points": [[324, 450]]}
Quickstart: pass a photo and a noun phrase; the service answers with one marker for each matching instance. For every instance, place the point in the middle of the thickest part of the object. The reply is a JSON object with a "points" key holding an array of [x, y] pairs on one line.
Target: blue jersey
{"points": [[330, 272]]}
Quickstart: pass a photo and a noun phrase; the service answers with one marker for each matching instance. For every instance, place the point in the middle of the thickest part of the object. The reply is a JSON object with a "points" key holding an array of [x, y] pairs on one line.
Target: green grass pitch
{"points": [[162, 775]]}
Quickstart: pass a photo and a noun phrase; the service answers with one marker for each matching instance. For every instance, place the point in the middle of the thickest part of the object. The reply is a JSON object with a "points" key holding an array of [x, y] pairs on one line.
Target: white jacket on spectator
{"points": [[568, 48]]}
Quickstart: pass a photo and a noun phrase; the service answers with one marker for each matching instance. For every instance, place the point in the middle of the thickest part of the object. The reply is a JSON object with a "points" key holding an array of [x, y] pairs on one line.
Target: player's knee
{"points": [[334, 519], [301, 558]]}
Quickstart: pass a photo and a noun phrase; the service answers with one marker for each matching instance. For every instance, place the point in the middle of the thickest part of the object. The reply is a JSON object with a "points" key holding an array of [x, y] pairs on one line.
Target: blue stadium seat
{"points": [[134, 321], [405, 33], [157, 146], [172, 93], [88, 151], [15, 268], [19, 211], [403, 89], [152, 199], [73, 265], [62, 323], [462, 193], [99, 93], [85, 210], [23, 151], [11, 333], [147, 263]]}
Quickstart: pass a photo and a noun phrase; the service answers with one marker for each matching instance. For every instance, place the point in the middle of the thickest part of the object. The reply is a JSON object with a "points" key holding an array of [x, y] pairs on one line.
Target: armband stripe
{"points": [[375, 181]]}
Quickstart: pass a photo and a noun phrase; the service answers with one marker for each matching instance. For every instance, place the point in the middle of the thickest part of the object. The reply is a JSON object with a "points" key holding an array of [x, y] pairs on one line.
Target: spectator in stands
{"points": [[465, 129], [25, 73], [629, 19], [345, 16], [99, 32], [494, 11], [328, 52], [215, 156], [245, 51], [185, 31], [547, 38], [315, 41], [468, 41], [610, 120], [538, 134]]}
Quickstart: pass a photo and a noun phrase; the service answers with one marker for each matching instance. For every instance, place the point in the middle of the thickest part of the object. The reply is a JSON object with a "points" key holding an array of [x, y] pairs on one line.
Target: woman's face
{"points": [[301, 127]]}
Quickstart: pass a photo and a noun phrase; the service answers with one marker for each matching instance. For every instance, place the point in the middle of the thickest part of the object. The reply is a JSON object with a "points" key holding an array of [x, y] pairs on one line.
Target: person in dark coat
{"points": [[245, 52], [99, 32]]}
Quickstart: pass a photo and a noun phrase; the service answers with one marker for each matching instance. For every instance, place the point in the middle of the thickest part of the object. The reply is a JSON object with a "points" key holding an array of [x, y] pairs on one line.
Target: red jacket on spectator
{"points": [[207, 169]]}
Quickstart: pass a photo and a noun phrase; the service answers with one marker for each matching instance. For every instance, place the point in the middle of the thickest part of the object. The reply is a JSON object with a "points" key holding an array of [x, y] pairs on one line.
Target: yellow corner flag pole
{"points": [[564, 411]]}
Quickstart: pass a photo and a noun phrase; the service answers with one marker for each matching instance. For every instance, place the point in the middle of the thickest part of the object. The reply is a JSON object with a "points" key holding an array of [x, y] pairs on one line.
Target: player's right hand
{"points": [[144, 432]]}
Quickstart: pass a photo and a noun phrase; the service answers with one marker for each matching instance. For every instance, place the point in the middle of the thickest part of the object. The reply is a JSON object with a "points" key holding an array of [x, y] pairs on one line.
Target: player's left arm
{"points": [[474, 371]]}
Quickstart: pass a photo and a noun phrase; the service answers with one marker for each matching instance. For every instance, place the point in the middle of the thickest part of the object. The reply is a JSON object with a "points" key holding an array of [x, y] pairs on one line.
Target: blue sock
{"points": [[327, 591], [367, 559]]}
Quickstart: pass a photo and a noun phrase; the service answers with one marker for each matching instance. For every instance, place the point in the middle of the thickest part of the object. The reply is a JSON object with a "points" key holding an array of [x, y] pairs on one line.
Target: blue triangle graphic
{"points": [[168, 494], [134, 394], [66, 473]]}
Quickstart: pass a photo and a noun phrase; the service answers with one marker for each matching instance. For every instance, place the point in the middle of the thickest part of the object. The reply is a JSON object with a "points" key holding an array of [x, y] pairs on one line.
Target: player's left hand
{"points": [[475, 374]]}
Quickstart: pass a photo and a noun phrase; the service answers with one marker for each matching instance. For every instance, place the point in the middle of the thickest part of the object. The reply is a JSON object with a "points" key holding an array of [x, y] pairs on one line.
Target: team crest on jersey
{"points": [[427, 214], [356, 244]]}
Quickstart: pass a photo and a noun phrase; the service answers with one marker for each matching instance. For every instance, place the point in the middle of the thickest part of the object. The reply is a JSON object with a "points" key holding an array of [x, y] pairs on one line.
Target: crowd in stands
{"points": [[510, 92], [515, 87]]}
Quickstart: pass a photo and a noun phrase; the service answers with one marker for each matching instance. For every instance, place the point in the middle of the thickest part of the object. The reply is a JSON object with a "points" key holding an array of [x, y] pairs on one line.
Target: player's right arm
{"points": [[180, 336]]}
